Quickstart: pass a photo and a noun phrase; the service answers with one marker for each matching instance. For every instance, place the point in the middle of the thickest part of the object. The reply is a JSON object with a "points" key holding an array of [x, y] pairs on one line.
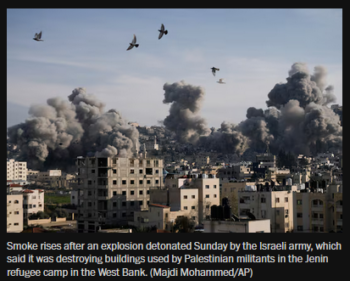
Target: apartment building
{"points": [[33, 202], [114, 189], [14, 212], [16, 170], [320, 210], [192, 194], [266, 160], [264, 203]]}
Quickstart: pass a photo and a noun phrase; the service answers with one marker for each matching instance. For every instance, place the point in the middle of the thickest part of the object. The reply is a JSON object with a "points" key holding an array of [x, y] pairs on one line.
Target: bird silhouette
{"points": [[133, 44], [37, 37], [213, 69], [162, 31], [221, 81]]}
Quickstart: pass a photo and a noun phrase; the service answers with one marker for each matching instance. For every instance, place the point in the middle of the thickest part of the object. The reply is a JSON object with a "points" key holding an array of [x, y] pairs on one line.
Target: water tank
{"points": [[225, 201], [289, 181], [220, 212], [204, 176], [227, 212], [307, 184], [214, 212], [214, 176]]}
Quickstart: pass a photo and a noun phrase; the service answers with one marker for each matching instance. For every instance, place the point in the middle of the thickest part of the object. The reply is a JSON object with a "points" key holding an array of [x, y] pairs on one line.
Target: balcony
{"points": [[318, 208], [317, 221]]}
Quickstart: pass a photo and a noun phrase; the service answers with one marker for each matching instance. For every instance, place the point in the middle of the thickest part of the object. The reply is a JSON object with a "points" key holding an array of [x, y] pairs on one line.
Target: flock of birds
{"points": [[162, 31]]}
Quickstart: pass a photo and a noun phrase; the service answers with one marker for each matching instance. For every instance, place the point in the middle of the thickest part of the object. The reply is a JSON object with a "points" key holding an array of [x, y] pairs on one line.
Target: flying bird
{"points": [[213, 69], [162, 31], [221, 81], [37, 37], [133, 44]]}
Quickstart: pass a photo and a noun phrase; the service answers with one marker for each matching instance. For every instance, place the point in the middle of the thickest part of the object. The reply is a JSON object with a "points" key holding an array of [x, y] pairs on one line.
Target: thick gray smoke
{"points": [[58, 132], [228, 139], [303, 118], [183, 119]]}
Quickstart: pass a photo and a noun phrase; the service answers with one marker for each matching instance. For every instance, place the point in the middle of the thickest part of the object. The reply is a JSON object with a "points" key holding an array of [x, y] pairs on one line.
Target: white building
{"points": [[16, 170], [33, 202], [263, 203], [15, 212]]}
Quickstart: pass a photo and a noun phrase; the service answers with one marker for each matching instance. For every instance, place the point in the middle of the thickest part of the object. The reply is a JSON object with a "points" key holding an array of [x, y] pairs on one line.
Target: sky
{"points": [[253, 48]]}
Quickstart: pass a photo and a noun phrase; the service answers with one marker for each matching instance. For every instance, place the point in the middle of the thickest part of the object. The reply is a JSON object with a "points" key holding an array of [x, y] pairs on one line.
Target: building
{"points": [[242, 226], [14, 212], [193, 195], [266, 160], [265, 202], [320, 210], [16, 170], [33, 202], [114, 189]]}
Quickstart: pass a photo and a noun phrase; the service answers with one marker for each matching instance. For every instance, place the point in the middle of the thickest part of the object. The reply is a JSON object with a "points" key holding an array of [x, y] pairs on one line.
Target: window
{"points": [[131, 203], [132, 181], [300, 228], [185, 196], [207, 186], [263, 200], [92, 171], [114, 193], [140, 181], [89, 204], [277, 212], [214, 195], [286, 199], [141, 171], [299, 215], [147, 191], [124, 192], [207, 206], [207, 196], [114, 215], [214, 185], [131, 192], [299, 202], [321, 216], [123, 215], [277, 200], [132, 171], [141, 192], [124, 204], [114, 182], [123, 181], [16, 223], [16, 202], [148, 181], [16, 212], [114, 171], [193, 207], [185, 207], [114, 204], [140, 203], [157, 171], [194, 218], [193, 196], [157, 181]]}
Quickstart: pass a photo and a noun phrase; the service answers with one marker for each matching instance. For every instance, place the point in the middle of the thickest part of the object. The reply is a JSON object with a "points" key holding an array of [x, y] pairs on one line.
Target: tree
{"points": [[183, 224], [39, 215]]}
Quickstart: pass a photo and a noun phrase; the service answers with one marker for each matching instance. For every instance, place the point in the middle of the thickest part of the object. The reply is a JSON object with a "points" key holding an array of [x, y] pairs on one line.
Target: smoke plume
{"points": [[58, 132]]}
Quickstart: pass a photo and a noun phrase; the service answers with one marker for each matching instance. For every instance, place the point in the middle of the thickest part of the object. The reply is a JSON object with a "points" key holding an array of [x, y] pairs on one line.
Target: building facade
{"points": [[114, 189], [16, 170]]}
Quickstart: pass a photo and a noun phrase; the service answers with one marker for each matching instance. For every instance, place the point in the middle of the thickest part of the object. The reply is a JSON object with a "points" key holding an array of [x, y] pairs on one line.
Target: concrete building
{"points": [[15, 212], [266, 160], [52, 178], [263, 203], [16, 170], [193, 195], [243, 226], [114, 189], [33, 202], [234, 172], [319, 211]]}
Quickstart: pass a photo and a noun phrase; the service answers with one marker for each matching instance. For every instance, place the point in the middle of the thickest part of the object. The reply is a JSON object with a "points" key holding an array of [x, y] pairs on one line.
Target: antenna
{"points": [[267, 147]]}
